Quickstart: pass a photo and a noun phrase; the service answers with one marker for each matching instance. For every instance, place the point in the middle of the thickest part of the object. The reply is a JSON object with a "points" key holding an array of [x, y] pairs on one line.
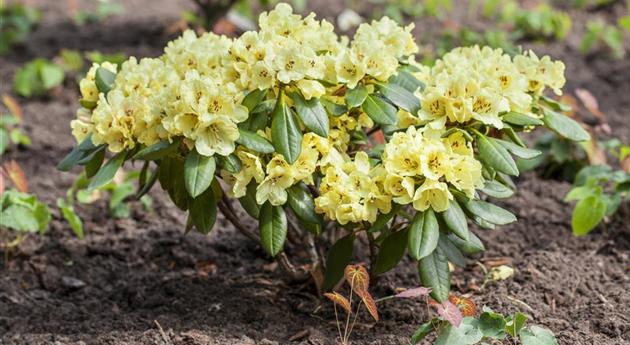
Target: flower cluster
{"points": [[480, 84]]}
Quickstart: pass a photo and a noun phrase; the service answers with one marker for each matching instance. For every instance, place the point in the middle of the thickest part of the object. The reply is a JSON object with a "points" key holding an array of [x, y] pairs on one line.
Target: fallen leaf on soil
{"points": [[339, 300], [590, 103], [415, 292], [502, 272]]}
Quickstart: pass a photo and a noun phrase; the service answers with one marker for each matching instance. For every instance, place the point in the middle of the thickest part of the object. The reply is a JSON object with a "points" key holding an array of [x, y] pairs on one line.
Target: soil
{"points": [[141, 280]]}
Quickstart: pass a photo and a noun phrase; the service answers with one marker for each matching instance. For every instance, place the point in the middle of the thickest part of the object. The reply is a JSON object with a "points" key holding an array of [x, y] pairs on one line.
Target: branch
{"points": [[230, 215]]}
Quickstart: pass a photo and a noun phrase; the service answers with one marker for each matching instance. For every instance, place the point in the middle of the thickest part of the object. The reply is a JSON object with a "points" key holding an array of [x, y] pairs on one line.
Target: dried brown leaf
{"points": [[358, 278], [339, 300], [590, 103], [369, 303]]}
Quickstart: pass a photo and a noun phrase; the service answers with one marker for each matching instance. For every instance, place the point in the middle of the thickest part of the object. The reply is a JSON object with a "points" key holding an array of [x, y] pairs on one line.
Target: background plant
{"points": [[16, 23]]}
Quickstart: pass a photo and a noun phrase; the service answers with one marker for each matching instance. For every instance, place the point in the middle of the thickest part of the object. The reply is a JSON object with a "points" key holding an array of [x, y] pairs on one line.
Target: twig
{"points": [[288, 267], [167, 340], [231, 217]]}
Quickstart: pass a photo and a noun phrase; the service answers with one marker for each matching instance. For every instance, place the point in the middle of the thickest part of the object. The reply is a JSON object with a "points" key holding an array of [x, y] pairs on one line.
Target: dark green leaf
{"points": [[391, 252], [400, 96], [312, 113], [157, 150], [92, 167], [79, 152], [333, 108], [337, 259], [380, 111], [203, 211], [301, 202], [422, 331], [515, 324], [285, 132], [383, 219], [273, 228], [230, 162], [254, 142], [451, 251], [248, 201], [435, 274], [198, 173], [455, 220], [495, 155], [521, 119], [406, 80], [355, 97], [587, 214], [253, 98], [107, 172], [424, 232], [496, 189], [472, 246], [565, 126], [104, 80], [492, 325]]}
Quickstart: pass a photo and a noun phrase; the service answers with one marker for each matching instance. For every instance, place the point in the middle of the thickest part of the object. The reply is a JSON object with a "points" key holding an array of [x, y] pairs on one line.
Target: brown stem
{"points": [[292, 271], [227, 211]]}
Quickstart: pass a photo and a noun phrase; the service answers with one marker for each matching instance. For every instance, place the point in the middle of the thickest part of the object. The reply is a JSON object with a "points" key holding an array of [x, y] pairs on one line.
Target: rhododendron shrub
{"points": [[311, 131]]}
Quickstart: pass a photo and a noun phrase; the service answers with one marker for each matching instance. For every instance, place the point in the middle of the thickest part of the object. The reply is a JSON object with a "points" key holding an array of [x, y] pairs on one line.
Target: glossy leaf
{"points": [[157, 150], [422, 331], [565, 126], [285, 132], [273, 228], [302, 204], [435, 274], [406, 80], [355, 97], [400, 97], [451, 251], [391, 252], [496, 156], [107, 172], [203, 211], [380, 111], [253, 98], [521, 119], [312, 113], [490, 212], [456, 220], [254, 142], [338, 258], [198, 173], [104, 79], [472, 246], [230, 162], [79, 152], [248, 201], [496, 189], [424, 232], [519, 151]]}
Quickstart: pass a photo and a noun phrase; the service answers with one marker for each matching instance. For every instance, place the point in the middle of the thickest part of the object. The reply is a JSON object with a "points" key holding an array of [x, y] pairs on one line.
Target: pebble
{"points": [[72, 283]]}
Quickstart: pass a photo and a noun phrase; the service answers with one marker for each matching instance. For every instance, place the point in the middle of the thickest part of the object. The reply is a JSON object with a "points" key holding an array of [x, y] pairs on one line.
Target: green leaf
{"points": [[248, 201], [203, 211], [285, 132], [78, 153], [333, 108], [312, 113], [104, 80], [587, 213], [495, 155], [380, 111], [273, 228], [230, 162], [400, 97], [4, 140], [198, 173], [467, 333], [171, 177], [119, 194], [515, 324], [422, 331], [254, 142], [19, 218], [497, 189], [535, 335], [391, 252], [435, 274], [472, 246], [407, 81], [158, 150], [382, 219], [107, 172], [517, 150], [451, 251], [521, 119], [424, 232], [71, 217], [51, 75], [492, 325], [337, 259], [489, 212], [565, 126], [301, 202], [93, 166], [355, 97], [253, 98], [456, 220]]}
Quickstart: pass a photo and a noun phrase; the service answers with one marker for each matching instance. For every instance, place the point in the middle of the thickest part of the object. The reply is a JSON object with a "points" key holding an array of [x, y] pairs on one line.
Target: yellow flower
{"points": [[251, 168], [311, 88], [432, 194], [274, 187], [216, 134]]}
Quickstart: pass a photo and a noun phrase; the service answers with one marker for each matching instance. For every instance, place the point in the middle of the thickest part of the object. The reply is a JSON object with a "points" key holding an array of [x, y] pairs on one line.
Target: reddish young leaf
{"points": [[13, 106], [369, 303], [465, 305], [590, 102], [414, 293], [339, 300], [358, 278], [15, 173], [449, 312]]}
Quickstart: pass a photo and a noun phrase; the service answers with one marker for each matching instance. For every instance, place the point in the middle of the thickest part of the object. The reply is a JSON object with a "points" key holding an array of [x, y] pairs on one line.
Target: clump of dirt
{"points": [[142, 281]]}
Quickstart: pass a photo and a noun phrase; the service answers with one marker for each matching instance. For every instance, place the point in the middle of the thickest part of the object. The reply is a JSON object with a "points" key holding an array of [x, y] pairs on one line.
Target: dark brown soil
{"points": [[142, 281]]}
